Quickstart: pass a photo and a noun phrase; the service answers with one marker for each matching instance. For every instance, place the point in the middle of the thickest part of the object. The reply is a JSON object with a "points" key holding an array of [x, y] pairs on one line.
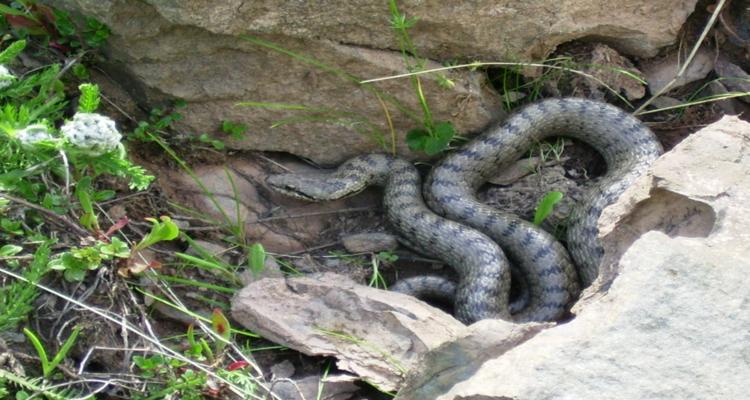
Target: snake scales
{"points": [[452, 225]]}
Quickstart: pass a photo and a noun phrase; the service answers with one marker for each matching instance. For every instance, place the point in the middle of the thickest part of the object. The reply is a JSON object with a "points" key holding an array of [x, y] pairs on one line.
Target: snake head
{"points": [[314, 187], [291, 185]]}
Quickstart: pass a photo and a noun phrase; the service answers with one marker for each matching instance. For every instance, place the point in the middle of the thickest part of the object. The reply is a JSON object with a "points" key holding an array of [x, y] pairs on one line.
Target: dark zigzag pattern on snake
{"points": [[473, 238]]}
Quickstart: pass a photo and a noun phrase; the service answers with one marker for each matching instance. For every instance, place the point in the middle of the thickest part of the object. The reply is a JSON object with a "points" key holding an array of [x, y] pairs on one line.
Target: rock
{"points": [[375, 334], [199, 247], [607, 65], [371, 242], [271, 269], [734, 77], [335, 387], [283, 370], [197, 51], [669, 320], [458, 359], [729, 106], [658, 73]]}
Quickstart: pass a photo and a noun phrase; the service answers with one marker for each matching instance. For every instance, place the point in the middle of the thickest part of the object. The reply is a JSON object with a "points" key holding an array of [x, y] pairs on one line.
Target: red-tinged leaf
{"points": [[46, 12], [237, 365], [117, 226], [63, 48], [220, 323], [20, 21]]}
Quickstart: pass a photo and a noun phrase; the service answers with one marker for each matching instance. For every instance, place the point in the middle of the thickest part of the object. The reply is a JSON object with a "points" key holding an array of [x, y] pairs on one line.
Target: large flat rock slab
{"points": [[376, 334], [194, 50]]}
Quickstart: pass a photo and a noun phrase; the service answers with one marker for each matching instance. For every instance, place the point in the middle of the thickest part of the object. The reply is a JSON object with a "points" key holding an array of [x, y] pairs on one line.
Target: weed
{"points": [[432, 137], [377, 280], [17, 298], [546, 206], [29, 387], [234, 129], [49, 365], [158, 121], [257, 259], [57, 28]]}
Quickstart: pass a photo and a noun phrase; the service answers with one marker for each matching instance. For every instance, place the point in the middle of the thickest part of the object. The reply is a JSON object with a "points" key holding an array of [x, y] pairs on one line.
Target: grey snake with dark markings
{"points": [[450, 224]]}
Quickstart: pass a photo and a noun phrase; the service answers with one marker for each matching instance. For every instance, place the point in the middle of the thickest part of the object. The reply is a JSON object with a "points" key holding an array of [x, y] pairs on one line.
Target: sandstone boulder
{"points": [[195, 50]]}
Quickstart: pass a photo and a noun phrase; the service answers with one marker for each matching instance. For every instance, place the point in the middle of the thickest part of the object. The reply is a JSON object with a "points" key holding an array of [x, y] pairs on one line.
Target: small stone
{"points": [[271, 269], [371, 242], [334, 387], [284, 369], [735, 78], [659, 73]]}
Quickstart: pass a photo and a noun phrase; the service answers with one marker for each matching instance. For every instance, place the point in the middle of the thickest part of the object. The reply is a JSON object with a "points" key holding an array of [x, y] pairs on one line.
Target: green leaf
{"points": [[234, 129], [545, 206], [220, 325], [74, 274], [116, 248], [10, 250], [88, 218], [103, 195], [11, 226], [89, 100], [443, 133], [80, 71], [416, 139], [257, 258], [160, 231], [40, 351], [12, 11], [13, 50], [64, 349]]}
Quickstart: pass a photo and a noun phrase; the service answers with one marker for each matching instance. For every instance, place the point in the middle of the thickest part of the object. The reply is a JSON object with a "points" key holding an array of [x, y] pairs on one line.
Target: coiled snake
{"points": [[474, 238]]}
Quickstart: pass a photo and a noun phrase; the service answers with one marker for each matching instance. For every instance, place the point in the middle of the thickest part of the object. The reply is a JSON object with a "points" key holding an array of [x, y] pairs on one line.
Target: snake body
{"points": [[468, 235]]}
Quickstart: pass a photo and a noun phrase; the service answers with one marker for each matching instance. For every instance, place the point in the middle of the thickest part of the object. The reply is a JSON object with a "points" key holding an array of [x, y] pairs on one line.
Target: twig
{"points": [[319, 247], [80, 231], [315, 214], [688, 60]]}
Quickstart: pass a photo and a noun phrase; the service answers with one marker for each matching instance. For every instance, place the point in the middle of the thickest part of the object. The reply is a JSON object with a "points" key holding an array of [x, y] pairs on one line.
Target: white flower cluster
{"points": [[32, 134], [92, 134], [6, 77]]}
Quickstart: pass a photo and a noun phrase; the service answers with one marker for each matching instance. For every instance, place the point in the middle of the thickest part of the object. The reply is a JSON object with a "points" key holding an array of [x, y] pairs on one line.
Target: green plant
{"points": [[158, 121], [162, 229], [546, 206], [29, 388], [234, 129], [86, 32], [169, 377], [58, 29], [17, 298], [49, 365], [257, 258], [432, 137], [377, 280], [75, 262]]}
